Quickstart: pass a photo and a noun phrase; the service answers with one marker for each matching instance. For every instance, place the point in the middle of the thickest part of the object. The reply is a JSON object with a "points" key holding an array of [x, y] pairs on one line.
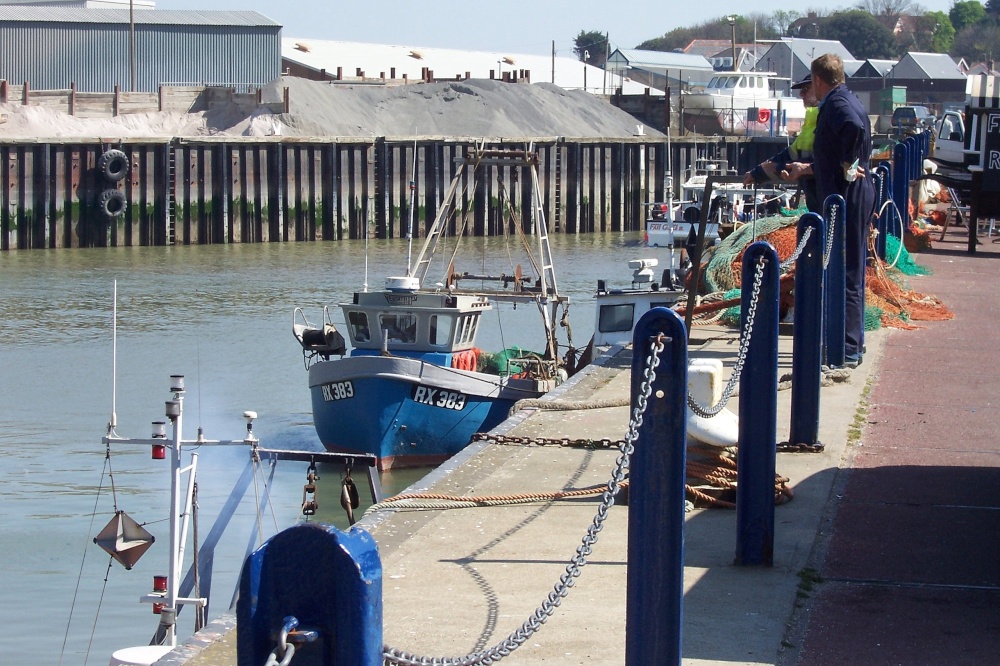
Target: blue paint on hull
{"points": [[382, 417]]}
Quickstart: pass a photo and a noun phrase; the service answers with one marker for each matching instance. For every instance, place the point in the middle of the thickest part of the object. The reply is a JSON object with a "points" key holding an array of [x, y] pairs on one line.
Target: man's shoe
{"points": [[853, 360]]}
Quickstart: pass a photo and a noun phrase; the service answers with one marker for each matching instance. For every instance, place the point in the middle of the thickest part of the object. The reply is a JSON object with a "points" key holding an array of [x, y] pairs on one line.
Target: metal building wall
{"points": [[51, 52]]}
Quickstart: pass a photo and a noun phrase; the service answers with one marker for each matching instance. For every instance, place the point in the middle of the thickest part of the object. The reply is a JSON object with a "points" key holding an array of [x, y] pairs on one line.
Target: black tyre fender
{"points": [[113, 165], [112, 203]]}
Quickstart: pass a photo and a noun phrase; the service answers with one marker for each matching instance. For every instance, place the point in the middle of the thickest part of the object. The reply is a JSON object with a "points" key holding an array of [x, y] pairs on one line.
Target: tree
{"points": [[941, 33], [781, 19], [888, 11], [591, 47], [978, 42], [860, 33], [965, 13]]}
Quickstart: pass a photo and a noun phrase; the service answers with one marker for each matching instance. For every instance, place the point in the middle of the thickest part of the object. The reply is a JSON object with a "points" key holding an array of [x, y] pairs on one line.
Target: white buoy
{"points": [[143, 655]]}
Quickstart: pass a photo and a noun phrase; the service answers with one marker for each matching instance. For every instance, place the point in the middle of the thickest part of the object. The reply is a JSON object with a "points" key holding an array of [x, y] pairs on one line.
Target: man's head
{"points": [[827, 73], [805, 90]]}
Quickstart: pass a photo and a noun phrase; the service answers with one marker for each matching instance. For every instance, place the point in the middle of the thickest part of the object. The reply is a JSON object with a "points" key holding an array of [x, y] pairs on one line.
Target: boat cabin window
{"points": [[743, 83], [441, 329], [760, 82], [731, 82], [714, 83], [358, 322], [467, 329], [615, 318], [399, 327]]}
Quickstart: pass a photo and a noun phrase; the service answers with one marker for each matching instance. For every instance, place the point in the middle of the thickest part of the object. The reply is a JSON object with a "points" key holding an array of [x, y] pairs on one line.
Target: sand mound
{"points": [[474, 108]]}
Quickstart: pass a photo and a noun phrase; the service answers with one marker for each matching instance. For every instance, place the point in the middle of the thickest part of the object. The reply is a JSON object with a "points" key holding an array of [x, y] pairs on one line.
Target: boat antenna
{"points": [[367, 222], [409, 224], [113, 423]]}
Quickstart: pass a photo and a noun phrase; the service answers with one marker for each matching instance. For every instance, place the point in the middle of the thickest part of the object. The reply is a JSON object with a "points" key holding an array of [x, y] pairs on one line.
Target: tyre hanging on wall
{"points": [[112, 203], [113, 165]]}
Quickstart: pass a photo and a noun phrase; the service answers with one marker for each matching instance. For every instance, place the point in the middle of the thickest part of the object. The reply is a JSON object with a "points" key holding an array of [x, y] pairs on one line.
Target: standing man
{"points": [[841, 153]]}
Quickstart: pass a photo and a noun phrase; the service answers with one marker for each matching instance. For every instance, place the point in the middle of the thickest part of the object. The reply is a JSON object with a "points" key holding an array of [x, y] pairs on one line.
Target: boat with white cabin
{"points": [[414, 387], [743, 104]]}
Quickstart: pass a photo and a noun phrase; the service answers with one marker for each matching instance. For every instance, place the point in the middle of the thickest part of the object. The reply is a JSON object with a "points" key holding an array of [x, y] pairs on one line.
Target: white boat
{"points": [[731, 203], [742, 104], [619, 310]]}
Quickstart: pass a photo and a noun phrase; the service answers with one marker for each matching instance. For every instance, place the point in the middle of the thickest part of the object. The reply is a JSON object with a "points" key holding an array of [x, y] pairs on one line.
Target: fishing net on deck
{"points": [[503, 362]]}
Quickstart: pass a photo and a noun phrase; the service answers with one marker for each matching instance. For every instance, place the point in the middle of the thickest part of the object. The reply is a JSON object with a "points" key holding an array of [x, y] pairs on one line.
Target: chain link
{"points": [[561, 589], [831, 223], [286, 649], [727, 393], [787, 263], [604, 443]]}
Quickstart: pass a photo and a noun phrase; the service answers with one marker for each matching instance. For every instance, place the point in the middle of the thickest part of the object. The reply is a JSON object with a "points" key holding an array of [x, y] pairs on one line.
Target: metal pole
{"points": [[655, 577], [131, 42], [758, 411], [175, 410]]}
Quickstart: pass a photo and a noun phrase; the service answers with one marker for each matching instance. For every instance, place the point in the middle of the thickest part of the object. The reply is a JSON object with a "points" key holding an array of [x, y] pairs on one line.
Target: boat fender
{"points": [[113, 165], [112, 203]]}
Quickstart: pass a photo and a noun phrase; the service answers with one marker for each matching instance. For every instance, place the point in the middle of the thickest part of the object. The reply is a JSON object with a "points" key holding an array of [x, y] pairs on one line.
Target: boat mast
{"points": [[409, 224]]}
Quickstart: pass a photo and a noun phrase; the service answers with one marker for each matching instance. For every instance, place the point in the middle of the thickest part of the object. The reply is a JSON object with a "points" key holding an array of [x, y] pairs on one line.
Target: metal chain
{"points": [[787, 263], [829, 235], [548, 606], [286, 649], [709, 412], [603, 443]]}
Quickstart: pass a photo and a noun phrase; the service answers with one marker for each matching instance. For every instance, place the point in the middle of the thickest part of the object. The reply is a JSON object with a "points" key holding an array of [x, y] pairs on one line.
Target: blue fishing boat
{"points": [[408, 382]]}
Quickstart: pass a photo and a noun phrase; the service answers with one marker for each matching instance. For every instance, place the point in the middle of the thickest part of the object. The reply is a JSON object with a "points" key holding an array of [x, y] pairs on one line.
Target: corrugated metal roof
{"points": [[119, 16], [660, 60], [377, 59], [933, 66], [808, 50]]}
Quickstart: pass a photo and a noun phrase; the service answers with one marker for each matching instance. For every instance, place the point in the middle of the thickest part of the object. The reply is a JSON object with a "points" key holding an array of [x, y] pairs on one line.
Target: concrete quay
{"points": [[888, 553]]}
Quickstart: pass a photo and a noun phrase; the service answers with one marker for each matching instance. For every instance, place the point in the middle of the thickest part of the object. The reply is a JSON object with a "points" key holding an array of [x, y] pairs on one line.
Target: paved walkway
{"points": [[911, 574]]}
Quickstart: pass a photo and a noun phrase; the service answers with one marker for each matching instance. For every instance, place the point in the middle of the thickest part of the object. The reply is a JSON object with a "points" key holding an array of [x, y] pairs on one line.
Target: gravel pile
{"points": [[478, 108]]}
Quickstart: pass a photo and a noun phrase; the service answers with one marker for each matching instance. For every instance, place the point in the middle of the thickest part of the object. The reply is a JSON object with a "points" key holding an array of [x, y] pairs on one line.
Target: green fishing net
{"points": [[904, 263]]}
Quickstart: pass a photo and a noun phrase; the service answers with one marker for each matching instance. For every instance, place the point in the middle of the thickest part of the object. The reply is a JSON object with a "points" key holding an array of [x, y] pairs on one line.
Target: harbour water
{"points": [[221, 316]]}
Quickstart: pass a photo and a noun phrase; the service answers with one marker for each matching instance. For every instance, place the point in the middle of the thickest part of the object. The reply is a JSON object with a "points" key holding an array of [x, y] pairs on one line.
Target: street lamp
{"points": [[732, 24]]}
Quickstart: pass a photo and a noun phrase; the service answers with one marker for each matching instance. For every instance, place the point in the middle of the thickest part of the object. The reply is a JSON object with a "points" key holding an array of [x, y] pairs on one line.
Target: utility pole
{"points": [[131, 42], [607, 55], [553, 61]]}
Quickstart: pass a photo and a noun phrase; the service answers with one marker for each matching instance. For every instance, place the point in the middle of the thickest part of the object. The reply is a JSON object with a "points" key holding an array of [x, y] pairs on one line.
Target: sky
{"points": [[514, 26]]}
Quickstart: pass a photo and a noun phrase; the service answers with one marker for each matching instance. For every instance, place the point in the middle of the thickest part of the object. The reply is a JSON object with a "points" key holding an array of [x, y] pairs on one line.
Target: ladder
{"points": [[171, 219]]}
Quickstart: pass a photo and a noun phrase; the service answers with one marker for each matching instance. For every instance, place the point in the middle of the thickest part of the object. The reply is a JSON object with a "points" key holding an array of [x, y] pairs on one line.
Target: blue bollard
{"points": [[657, 474], [328, 580], [835, 283], [901, 185], [807, 340], [758, 412]]}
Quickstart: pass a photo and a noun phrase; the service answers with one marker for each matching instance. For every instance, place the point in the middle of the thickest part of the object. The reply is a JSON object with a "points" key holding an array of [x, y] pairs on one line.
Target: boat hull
{"points": [[406, 411]]}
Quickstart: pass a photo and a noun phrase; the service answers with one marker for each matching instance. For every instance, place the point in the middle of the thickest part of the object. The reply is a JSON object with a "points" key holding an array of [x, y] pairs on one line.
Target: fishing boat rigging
{"points": [[415, 387]]}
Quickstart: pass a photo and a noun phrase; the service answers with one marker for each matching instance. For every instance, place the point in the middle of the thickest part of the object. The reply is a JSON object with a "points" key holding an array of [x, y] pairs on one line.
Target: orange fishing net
{"points": [[899, 306]]}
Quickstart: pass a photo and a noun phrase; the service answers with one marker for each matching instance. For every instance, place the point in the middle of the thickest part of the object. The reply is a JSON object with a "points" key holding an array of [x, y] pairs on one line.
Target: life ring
{"points": [[112, 203], [113, 165], [763, 115]]}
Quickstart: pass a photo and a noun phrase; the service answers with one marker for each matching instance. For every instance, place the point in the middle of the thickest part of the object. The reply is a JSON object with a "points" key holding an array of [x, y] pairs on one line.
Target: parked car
{"points": [[912, 117]]}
